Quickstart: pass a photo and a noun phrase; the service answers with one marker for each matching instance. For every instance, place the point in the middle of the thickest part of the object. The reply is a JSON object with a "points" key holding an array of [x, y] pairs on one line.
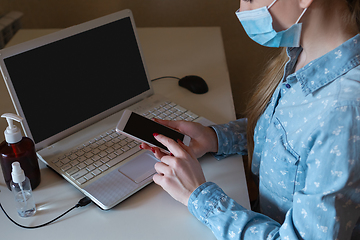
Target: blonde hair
{"points": [[354, 8], [272, 76]]}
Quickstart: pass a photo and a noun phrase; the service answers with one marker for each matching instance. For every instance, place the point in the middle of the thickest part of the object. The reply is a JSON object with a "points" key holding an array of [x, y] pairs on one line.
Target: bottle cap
{"points": [[12, 133], [17, 173]]}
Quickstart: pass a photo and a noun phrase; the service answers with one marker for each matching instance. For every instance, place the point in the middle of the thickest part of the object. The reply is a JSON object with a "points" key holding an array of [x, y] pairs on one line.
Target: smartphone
{"points": [[141, 129]]}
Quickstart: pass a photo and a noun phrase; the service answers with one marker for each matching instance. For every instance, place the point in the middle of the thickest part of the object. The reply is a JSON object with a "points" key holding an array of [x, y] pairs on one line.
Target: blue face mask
{"points": [[258, 26]]}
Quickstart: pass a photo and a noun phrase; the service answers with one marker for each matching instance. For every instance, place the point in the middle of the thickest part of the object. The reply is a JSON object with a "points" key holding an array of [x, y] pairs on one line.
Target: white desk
{"points": [[150, 213]]}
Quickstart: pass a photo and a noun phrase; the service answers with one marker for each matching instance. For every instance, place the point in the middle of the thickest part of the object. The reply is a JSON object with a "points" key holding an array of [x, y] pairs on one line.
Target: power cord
{"points": [[165, 77], [83, 202]]}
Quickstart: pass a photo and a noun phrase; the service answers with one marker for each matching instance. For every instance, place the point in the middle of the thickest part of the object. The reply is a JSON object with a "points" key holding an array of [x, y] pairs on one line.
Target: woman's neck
{"points": [[324, 29]]}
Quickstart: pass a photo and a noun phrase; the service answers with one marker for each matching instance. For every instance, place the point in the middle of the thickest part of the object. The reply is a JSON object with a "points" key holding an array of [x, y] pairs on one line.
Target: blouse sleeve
{"points": [[228, 219], [231, 138]]}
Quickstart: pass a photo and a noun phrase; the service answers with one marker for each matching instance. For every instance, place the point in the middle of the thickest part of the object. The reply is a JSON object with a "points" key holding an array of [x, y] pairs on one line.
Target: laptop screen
{"points": [[68, 81]]}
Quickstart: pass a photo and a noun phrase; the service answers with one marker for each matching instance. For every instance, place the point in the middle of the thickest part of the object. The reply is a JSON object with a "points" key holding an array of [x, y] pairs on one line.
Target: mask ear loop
{"points": [[301, 16], [271, 4], [298, 18]]}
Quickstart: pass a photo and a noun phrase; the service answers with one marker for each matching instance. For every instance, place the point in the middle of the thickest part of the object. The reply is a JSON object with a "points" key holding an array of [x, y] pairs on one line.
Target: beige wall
{"points": [[245, 59]]}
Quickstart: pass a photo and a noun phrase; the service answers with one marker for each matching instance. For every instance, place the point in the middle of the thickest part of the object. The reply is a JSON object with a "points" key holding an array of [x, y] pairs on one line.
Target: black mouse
{"points": [[194, 84]]}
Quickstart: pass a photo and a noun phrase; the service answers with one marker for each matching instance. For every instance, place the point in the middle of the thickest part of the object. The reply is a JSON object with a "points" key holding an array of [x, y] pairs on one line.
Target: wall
{"points": [[245, 59]]}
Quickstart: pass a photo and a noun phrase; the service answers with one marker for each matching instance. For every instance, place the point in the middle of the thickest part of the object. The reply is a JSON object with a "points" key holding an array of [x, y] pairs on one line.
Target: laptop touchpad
{"points": [[140, 168]]}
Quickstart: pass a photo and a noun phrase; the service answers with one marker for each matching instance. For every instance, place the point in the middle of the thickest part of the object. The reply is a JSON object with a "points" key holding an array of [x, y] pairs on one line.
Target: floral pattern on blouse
{"points": [[306, 157]]}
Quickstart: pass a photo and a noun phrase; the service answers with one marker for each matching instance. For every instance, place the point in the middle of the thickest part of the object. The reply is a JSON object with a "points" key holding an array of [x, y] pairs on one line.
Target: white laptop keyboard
{"points": [[105, 151]]}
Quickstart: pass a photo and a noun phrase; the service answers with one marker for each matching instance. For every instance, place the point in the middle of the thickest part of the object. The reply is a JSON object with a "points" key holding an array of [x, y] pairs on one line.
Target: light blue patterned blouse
{"points": [[306, 156]]}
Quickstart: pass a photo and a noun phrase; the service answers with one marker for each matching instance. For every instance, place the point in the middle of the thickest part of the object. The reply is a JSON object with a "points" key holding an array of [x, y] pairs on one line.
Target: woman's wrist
{"points": [[213, 146]]}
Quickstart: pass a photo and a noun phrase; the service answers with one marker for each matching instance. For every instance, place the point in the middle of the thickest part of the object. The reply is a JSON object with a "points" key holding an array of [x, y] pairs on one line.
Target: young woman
{"points": [[302, 133]]}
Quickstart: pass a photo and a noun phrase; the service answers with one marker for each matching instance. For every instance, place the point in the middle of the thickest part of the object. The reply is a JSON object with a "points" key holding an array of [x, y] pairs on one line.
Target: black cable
{"points": [[83, 202], [165, 77]]}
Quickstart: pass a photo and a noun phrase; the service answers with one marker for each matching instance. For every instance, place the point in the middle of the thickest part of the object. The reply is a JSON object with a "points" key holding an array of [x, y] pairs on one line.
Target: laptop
{"points": [[71, 88]]}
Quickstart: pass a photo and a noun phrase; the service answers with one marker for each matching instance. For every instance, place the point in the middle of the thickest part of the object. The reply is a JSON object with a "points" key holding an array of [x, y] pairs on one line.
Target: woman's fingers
{"points": [[171, 145], [180, 173], [203, 139], [161, 168], [157, 152], [187, 149]]}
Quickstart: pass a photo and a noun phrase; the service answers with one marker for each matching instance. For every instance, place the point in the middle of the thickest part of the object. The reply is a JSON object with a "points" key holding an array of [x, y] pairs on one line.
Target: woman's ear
{"points": [[305, 3]]}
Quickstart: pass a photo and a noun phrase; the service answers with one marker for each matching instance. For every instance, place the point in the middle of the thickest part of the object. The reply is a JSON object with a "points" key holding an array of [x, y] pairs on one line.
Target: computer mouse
{"points": [[194, 84]]}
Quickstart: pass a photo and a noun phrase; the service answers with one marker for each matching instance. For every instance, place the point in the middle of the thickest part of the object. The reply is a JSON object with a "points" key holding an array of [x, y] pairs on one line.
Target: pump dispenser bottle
{"points": [[21, 188], [17, 148]]}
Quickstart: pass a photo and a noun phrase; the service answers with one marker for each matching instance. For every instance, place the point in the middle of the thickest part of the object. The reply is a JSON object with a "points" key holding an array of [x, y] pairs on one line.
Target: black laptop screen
{"points": [[73, 79]]}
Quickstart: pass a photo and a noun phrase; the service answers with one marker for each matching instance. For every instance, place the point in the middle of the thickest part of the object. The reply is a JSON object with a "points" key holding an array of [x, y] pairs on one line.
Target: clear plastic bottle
{"points": [[21, 188]]}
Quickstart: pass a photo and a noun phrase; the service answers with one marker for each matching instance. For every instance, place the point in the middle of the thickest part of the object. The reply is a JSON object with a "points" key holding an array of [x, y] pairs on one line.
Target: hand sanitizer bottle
{"points": [[17, 148], [20, 186]]}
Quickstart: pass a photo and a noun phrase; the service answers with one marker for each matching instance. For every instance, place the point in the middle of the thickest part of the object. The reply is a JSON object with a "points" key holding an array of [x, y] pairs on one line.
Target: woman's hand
{"points": [[180, 173], [203, 139]]}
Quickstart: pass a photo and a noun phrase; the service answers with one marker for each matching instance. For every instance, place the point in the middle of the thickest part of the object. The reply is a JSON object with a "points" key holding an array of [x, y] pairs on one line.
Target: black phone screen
{"points": [[143, 128]]}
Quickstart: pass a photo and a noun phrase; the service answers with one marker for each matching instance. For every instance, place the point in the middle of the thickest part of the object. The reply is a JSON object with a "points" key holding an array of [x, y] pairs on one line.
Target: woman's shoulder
{"points": [[349, 87]]}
